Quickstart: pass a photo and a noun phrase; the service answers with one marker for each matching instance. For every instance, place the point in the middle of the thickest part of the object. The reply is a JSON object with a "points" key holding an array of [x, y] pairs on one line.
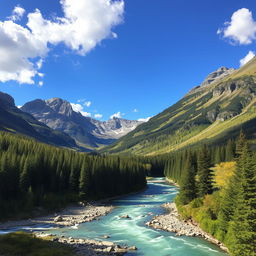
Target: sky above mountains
{"points": [[129, 59]]}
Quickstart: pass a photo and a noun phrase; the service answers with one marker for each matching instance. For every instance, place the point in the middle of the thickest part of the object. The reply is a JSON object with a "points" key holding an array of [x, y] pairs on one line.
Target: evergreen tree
{"points": [[25, 177], [205, 182], [229, 155], [243, 228], [188, 186], [84, 183]]}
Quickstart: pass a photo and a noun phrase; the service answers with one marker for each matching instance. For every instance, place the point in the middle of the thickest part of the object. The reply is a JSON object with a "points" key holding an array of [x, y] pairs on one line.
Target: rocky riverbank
{"points": [[71, 216], [172, 222], [89, 247]]}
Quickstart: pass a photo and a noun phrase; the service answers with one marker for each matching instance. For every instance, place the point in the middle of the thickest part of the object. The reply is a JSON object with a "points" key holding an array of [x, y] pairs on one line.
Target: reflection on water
{"points": [[132, 231]]}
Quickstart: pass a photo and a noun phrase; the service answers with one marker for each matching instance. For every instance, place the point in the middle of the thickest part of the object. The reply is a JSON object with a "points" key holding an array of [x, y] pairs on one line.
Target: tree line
{"points": [[230, 213], [34, 174]]}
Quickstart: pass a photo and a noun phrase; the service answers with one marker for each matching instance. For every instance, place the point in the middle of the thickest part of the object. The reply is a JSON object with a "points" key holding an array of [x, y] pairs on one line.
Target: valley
{"points": [[133, 231]]}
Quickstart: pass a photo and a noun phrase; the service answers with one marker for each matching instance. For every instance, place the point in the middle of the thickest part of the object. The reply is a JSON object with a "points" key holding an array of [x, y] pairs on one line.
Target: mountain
{"points": [[14, 120], [210, 113], [87, 132]]}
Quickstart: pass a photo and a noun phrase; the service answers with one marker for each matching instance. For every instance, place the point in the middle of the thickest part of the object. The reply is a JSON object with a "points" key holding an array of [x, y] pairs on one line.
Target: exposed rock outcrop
{"points": [[216, 75]]}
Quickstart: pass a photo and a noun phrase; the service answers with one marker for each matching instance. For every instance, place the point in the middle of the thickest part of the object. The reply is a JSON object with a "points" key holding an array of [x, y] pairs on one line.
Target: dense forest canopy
{"points": [[35, 174]]}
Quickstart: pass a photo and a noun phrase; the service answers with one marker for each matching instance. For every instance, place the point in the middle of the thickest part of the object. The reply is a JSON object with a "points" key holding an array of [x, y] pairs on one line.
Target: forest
{"points": [[227, 212], [34, 175]]}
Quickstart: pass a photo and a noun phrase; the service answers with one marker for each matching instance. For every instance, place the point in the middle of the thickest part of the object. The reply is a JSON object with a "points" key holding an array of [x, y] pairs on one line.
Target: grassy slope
{"points": [[186, 123], [23, 244]]}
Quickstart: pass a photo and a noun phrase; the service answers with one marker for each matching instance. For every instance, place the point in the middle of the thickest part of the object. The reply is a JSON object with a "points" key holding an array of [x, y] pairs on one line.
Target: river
{"points": [[150, 242]]}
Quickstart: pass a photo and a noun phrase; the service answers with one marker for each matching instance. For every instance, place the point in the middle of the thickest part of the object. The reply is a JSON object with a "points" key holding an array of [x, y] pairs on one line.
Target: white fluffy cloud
{"points": [[17, 13], [116, 115], [84, 24], [17, 47], [135, 110], [98, 116], [144, 119], [79, 109], [247, 58], [241, 29]]}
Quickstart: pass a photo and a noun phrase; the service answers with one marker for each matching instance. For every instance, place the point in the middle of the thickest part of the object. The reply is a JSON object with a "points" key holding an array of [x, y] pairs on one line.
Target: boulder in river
{"points": [[125, 216]]}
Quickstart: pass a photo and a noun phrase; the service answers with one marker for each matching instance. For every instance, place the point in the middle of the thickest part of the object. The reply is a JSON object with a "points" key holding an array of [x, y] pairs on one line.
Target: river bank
{"points": [[72, 216], [172, 222], [124, 224]]}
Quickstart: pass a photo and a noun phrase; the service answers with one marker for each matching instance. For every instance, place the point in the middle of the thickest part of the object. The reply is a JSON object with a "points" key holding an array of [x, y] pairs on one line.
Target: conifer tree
{"points": [[188, 186], [243, 228], [25, 177], [84, 183], [205, 182], [229, 154]]}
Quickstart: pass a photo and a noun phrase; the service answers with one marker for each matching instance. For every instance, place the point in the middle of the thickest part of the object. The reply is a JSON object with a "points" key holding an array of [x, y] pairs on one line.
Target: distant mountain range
{"points": [[14, 120], [88, 133], [210, 113]]}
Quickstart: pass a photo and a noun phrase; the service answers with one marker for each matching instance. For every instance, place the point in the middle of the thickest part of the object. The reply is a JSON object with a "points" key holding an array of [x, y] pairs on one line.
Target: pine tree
{"points": [[229, 155], [188, 186], [205, 182], [84, 183], [25, 177], [243, 228]]}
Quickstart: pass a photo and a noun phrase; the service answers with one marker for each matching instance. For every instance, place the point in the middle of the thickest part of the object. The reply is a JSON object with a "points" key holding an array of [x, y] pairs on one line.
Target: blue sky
{"points": [[160, 50]]}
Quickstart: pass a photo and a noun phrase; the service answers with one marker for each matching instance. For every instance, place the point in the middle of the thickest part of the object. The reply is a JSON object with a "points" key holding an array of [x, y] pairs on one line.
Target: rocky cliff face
{"points": [[59, 115], [217, 75]]}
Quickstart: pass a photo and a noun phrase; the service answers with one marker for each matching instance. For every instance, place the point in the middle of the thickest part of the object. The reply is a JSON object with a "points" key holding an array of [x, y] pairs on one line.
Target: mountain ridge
{"points": [[87, 132], [204, 115], [14, 120]]}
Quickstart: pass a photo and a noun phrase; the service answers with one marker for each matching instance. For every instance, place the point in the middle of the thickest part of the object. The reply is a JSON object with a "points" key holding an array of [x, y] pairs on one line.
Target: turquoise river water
{"points": [[141, 208], [150, 242]]}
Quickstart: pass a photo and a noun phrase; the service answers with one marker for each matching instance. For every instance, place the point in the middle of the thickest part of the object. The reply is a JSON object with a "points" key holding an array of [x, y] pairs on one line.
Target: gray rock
{"points": [[216, 75], [58, 219]]}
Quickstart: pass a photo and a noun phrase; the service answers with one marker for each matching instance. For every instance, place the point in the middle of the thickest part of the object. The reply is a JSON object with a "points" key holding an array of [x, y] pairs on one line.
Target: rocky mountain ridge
{"points": [[214, 112], [14, 120], [59, 115]]}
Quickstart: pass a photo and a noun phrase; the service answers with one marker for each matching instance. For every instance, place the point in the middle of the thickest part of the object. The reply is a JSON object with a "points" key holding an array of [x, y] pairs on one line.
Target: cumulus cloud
{"points": [[79, 109], [144, 119], [241, 29], [117, 115], [41, 83], [98, 116], [247, 58], [135, 110], [17, 13], [84, 24], [17, 47]]}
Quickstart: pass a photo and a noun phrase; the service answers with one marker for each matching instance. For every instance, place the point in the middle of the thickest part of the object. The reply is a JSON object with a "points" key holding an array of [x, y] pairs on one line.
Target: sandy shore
{"points": [[172, 222]]}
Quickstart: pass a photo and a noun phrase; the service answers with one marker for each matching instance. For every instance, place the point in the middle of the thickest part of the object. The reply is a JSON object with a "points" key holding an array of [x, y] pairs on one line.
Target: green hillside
{"points": [[208, 114]]}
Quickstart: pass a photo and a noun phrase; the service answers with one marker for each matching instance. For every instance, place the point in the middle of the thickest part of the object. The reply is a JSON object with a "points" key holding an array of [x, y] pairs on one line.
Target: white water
{"points": [[141, 207]]}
